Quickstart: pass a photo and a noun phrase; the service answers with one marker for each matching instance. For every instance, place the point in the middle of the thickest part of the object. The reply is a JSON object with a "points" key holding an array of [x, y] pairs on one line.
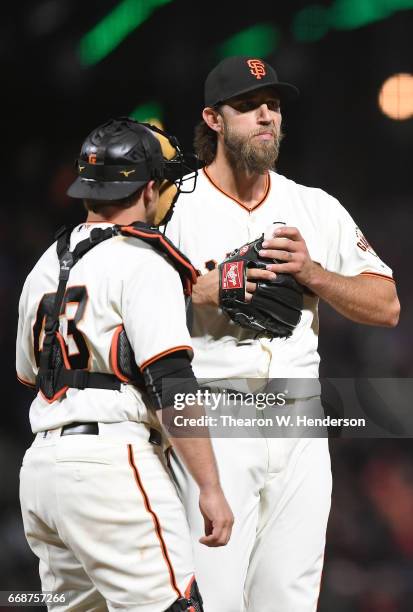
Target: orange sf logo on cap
{"points": [[92, 158], [257, 68]]}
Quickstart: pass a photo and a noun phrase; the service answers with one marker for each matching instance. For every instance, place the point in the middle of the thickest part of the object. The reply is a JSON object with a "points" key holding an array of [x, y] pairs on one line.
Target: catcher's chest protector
{"points": [[55, 375]]}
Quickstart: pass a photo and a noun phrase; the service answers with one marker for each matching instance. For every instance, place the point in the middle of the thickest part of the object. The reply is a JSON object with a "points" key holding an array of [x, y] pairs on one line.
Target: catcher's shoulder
{"points": [[139, 251], [137, 262], [124, 256]]}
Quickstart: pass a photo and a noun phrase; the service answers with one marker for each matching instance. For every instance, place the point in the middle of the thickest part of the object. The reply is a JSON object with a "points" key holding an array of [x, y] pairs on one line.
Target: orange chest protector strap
{"points": [[162, 244], [55, 375]]}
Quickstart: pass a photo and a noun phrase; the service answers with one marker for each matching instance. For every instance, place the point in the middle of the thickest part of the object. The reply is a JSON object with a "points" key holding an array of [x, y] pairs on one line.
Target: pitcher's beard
{"points": [[255, 157]]}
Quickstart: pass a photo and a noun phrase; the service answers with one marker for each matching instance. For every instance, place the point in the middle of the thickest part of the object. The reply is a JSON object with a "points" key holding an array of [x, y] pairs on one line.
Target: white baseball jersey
{"points": [[278, 488], [208, 223], [120, 282], [74, 488]]}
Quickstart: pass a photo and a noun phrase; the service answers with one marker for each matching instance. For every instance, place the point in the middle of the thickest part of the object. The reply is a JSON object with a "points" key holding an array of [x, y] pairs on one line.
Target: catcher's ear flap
{"points": [[168, 151], [167, 191], [167, 196]]}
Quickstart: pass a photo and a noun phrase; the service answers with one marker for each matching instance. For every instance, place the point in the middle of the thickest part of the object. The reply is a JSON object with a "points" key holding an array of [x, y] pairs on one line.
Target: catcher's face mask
{"points": [[179, 168], [122, 155]]}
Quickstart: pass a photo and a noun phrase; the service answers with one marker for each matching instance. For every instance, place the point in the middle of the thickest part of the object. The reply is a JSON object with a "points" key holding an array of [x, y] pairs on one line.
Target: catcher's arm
{"points": [[206, 291], [364, 299]]}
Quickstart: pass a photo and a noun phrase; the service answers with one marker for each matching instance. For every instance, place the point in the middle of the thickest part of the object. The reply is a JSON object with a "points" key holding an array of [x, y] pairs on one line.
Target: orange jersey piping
{"points": [[267, 190], [384, 276], [155, 519], [26, 382], [163, 354], [175, 254]]}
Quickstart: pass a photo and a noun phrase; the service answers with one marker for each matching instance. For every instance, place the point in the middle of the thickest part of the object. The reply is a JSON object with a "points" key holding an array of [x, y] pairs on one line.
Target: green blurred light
{"points": [[401, 4], [311, 23], [350, 14], [148, 112], [114, 28], [259, 40]]}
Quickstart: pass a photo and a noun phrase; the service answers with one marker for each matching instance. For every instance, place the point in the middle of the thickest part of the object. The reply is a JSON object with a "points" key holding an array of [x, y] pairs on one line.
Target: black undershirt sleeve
{"points": [[168, 376]]}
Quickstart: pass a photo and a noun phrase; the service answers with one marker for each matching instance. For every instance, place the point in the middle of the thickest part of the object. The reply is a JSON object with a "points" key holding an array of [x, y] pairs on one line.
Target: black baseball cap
{"points": [[238, 74], [116, 159]]}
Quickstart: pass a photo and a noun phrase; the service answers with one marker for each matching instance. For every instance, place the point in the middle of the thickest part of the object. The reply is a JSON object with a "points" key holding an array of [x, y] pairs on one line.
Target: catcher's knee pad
{"points": [[191, 602]]}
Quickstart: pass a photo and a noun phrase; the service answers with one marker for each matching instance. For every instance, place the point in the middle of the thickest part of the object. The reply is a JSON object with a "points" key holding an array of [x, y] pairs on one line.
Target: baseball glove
{"points": [[276, 306]]}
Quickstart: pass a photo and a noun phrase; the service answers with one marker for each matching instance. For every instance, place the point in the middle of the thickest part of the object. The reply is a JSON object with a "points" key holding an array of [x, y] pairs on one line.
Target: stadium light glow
{"points": [[313, 22], [260, 40], [151, 112], [350, 14], [108, 33], [396, 96]]}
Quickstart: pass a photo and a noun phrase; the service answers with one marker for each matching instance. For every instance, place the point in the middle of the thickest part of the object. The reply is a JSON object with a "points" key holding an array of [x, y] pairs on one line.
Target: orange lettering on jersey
{"points": [[257, 68], [232, 275], [92, 158], [363, 243]]}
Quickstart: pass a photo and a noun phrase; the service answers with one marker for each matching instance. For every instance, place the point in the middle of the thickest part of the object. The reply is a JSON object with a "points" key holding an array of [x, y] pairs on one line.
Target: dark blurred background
{"points": [[67, 65]]}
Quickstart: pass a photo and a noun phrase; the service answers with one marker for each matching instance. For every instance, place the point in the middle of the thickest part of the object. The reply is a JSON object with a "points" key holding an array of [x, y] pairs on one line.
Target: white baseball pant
{"points": [[105, 520], [279, 490]]}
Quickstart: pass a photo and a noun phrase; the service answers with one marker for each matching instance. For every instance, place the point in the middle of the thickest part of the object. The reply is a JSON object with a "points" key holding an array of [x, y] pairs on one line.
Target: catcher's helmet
{"points": [[122, 155]]}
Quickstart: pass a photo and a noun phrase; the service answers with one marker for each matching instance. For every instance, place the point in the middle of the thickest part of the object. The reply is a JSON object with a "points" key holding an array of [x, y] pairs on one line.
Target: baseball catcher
{"points": [[102, 330]]}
